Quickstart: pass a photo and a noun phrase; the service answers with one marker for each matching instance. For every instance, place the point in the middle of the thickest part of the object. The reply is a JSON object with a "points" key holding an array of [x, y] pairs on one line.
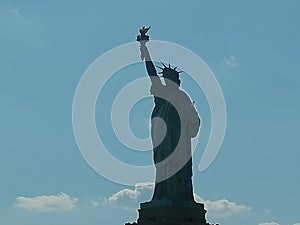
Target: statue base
{"points": [[170, 213]]}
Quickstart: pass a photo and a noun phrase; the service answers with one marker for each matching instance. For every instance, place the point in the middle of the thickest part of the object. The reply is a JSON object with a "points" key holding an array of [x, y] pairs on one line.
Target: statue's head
{"points": [[170, 74]]}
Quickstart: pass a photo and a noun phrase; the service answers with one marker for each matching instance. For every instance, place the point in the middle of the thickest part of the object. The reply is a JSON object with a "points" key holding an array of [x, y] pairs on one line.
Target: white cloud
{"points": [[47, 203], [274, 223], [231, 61], [269, 223], [222, 207], [129, 199], [94, 203], [99, 201]]}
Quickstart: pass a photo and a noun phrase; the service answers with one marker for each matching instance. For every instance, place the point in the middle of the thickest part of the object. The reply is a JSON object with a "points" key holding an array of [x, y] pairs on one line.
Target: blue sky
{"points": [[253, 49]]}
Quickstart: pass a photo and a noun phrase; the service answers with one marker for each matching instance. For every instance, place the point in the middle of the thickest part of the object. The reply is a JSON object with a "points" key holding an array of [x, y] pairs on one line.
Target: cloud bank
{"points": [[269, 223], [47, 203], [221, 208], [129, 199]]}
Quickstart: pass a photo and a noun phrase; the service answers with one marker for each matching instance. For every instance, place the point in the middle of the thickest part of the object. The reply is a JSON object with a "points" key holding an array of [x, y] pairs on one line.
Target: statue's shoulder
{"points": [[185, 97], [157, 88]]}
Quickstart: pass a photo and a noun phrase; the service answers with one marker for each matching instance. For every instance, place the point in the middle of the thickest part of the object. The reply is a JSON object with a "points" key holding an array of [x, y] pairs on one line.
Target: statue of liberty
{"points": [[171, 138], [174, 122]]}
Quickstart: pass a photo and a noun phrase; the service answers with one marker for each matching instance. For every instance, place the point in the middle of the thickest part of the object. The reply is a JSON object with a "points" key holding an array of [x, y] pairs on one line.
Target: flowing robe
{"points": [[172, 140]]}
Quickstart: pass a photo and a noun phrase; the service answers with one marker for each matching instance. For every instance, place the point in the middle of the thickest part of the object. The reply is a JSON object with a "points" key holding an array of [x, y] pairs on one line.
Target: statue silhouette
{"points": [[181, 123], [174, 122]]}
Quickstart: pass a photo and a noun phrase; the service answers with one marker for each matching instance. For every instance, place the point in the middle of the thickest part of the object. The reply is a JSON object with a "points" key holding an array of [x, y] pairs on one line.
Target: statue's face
{"points": [[172, 81], [169, 74], [171, 77]]}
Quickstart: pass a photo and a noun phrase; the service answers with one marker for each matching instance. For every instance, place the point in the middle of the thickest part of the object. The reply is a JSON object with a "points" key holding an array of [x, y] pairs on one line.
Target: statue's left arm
{"points": [[193, 120]]}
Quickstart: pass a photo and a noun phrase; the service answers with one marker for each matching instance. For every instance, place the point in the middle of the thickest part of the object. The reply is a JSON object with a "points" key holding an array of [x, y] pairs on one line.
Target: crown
{"points": [[168, 71]]}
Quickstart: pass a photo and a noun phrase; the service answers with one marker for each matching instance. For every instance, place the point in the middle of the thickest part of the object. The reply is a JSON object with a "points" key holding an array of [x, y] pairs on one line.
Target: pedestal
{"points": [[170, 213]]}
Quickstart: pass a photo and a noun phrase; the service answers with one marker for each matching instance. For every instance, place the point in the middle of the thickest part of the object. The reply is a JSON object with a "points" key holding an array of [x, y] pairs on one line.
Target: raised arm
{"points": [[149, 64]]}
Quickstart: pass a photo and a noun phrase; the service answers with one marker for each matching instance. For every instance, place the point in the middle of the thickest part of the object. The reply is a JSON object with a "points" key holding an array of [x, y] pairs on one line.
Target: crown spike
{"points": [[169, 65], [163, 64], [159, 67]]}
